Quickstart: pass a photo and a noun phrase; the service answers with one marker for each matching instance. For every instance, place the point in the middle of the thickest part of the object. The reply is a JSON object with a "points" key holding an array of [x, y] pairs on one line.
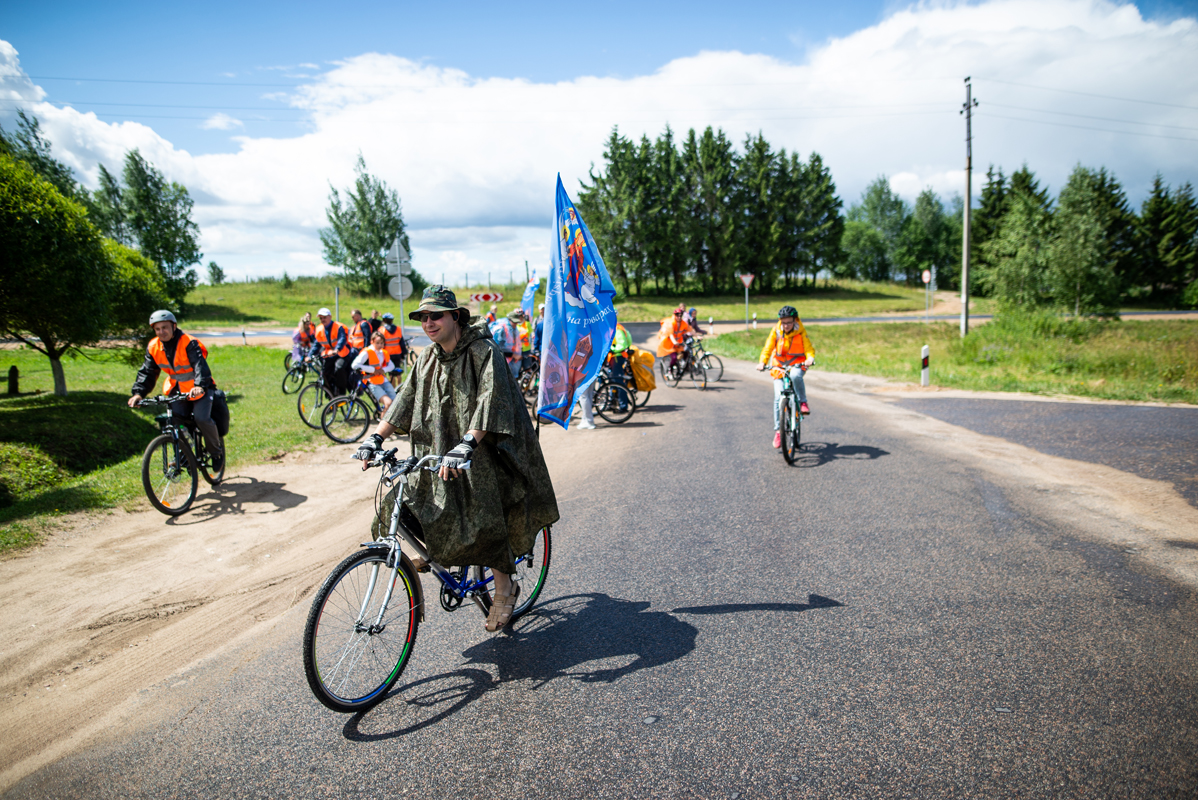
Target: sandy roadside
{"points": [[119, 603]]}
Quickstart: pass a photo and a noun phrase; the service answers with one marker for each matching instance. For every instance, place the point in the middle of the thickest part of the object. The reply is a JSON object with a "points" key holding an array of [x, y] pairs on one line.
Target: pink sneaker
{"points": [[777, 440], [803, 409]]}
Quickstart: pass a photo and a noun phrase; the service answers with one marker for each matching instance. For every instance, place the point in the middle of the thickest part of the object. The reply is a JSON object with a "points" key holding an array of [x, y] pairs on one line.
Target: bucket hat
{"points": [[437, 298]]}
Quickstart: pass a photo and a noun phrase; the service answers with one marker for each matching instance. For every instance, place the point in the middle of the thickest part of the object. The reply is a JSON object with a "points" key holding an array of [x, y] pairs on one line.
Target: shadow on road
{"points": [[591, 638], [234, 495], [816, 454], [813, 601]]}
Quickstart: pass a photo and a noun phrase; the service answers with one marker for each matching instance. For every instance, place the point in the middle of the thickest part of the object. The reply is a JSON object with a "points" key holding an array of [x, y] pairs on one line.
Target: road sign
{"points": [[927, 276], [400, 288], [398, 261], [486, 297], [746, 279]]}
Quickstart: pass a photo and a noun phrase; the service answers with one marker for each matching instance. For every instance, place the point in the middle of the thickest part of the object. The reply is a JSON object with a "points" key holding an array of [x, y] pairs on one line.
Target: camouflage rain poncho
{"points": [[492, 513]]}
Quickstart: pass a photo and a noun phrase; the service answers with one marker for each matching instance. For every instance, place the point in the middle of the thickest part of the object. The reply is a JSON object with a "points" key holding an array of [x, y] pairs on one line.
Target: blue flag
{"points": [[530, 294], [580, 317]]}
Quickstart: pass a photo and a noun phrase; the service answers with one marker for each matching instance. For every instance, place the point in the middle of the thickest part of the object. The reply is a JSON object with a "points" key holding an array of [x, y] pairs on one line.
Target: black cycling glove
{"points": [[461, 453], [369, 448]]}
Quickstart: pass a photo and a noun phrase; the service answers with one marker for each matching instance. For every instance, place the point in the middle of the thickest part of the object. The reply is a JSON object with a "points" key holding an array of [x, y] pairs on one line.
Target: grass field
{"points": [[84, 451], [1153, 360], [269, 304]]}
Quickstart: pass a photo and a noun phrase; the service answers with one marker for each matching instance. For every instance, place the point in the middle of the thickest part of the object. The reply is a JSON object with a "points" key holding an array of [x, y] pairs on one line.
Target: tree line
{"points": [[1087, 252], [80, 266], [695, 215]]}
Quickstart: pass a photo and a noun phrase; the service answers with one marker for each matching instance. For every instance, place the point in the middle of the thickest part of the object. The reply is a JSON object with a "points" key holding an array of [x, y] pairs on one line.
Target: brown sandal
{"points": [[502, 606]]}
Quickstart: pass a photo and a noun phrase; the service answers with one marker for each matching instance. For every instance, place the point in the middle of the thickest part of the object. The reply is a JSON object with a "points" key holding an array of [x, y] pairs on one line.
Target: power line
{"points": [[1087, 116], [1089, 128], [1092, 94]]}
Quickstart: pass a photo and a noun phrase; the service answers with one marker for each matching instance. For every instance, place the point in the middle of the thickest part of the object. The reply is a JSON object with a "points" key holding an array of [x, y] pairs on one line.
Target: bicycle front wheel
{"points": [[790, 431], [713, 365], [360, 631], [294, 379], [345, 419], [287, 361], [532, 569], [169, 476], [614, 403], [698, 375], [311, 402]]}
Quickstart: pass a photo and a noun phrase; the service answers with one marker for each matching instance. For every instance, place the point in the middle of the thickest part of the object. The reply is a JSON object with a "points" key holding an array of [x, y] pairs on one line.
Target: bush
{"points": [[1190, 298]]}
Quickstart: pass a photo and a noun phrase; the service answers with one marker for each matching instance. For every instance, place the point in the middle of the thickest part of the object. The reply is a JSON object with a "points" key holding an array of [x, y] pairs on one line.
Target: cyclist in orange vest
{"points": [[332, 342], [359, 332], [673, 335], [397, 346], [374, 364], [786, 348], [185, 362]]}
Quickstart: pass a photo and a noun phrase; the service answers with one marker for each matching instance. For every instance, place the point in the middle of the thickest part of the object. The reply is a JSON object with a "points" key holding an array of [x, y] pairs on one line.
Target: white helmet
{"points": [[163, 316]]}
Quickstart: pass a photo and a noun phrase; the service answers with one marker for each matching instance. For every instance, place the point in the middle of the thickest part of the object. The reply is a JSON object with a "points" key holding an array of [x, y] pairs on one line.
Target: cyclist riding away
{"points": [[461, 401], [673, 335], [396, 346], [786, 348], [332, 342], [185, 362], [374, 364]]}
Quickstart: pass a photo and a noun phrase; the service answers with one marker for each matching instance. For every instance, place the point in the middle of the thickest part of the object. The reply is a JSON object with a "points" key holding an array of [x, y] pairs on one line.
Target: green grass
{"points": [[1151, 360], [84, 451], [268, 304]]}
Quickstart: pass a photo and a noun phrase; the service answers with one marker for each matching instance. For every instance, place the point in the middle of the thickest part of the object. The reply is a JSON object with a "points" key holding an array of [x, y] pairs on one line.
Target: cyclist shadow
{"points": [[590, 638], [816, 454], [234, 496]]}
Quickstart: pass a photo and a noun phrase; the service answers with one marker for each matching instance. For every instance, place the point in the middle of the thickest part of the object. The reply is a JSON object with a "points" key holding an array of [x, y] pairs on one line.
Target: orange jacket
{"points": [[394, 345], [326, 347], [673, 335], [375, 360], [182, 373], [786, 349], [358, 338]]}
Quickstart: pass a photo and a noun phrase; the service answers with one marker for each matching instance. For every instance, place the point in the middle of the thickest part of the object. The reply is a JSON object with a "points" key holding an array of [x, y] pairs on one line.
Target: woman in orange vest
{"points": [[374, 364], [673, 335], [332, 339], [786, 348], [185, 362]]}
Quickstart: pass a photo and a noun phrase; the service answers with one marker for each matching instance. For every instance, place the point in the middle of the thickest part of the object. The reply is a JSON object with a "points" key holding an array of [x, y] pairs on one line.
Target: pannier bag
{"points": [[642, 370], [220, 411]]}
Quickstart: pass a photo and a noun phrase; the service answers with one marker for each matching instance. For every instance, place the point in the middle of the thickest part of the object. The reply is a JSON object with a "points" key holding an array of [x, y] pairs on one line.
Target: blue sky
{"points": [[470, 110]]}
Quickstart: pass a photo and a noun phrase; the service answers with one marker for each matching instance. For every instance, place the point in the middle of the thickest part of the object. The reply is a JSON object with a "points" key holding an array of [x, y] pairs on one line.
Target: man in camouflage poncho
{"points": [[461, 401]]}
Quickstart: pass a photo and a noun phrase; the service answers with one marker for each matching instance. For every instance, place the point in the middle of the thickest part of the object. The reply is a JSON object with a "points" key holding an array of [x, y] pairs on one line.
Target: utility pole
{"points": [[967, 110], [527, 277]]}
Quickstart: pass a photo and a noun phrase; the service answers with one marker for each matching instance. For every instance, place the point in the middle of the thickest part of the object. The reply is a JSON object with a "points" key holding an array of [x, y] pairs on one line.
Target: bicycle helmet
{"points": [[788, 311], [388, 316], [163, 316]]}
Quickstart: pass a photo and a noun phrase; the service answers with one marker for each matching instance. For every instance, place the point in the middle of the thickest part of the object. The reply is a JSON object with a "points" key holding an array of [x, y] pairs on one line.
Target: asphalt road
{"points": [[1156, 443], [876, 622]]}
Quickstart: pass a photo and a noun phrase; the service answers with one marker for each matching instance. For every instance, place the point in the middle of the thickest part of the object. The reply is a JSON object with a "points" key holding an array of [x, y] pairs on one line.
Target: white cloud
{"points": [[221, 122], [475, 159]]}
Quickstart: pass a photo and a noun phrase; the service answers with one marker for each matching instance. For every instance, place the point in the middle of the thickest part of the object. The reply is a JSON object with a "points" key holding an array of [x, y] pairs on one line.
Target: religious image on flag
{"points": [[530, 294], [580, 315]]}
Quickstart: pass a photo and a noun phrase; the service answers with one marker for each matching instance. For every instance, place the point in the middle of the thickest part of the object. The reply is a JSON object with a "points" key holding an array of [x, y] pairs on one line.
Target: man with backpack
{"points": [[507, 336]]}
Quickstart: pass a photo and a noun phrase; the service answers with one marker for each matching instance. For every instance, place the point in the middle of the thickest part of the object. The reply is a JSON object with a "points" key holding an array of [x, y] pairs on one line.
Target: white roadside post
{"points": [[923, 373], [927, 295], [711, 325], [754, 320]]}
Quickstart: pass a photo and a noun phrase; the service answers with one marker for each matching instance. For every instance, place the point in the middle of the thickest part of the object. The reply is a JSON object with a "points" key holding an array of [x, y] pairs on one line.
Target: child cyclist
{"points": [[375, 363], [785, 350]]}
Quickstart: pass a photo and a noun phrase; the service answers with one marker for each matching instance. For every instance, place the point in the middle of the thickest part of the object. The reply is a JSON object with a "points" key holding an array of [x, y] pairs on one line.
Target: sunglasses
{"points": [[431, 316]]}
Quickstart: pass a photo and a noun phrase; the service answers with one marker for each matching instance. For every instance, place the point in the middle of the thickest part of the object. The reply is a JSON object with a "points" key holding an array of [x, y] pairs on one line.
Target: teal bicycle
{"points": [[791, 418]]}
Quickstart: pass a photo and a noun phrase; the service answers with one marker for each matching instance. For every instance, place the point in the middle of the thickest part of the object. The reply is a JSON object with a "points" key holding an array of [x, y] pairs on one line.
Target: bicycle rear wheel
{"points": [[345, 419], [311, 402], [713, 365], [790, 431], [168, 475], [614, 403], [213, 476], [355, 648], [294, 379], [532, 569]]}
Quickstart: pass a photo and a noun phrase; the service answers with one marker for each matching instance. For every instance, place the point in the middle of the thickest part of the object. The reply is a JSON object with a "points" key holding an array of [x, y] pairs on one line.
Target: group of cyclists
{"points": [[461, 406]]}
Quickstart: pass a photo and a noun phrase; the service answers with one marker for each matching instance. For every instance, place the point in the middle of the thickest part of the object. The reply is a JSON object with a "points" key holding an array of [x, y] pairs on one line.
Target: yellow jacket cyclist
{"points": [[786, 348]]}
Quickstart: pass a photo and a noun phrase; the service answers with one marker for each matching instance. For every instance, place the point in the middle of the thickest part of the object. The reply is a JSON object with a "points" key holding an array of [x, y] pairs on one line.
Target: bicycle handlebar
{"points": [[388, 458], [159, 400]]}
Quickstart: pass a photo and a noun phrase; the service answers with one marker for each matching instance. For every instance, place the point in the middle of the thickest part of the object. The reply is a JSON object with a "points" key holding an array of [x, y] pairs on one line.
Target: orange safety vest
{"points": [[394, 344], [788, 350], [326, 347], [182, 373], [304, 332], [375, 360], [669, 329], [357, 337]]}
